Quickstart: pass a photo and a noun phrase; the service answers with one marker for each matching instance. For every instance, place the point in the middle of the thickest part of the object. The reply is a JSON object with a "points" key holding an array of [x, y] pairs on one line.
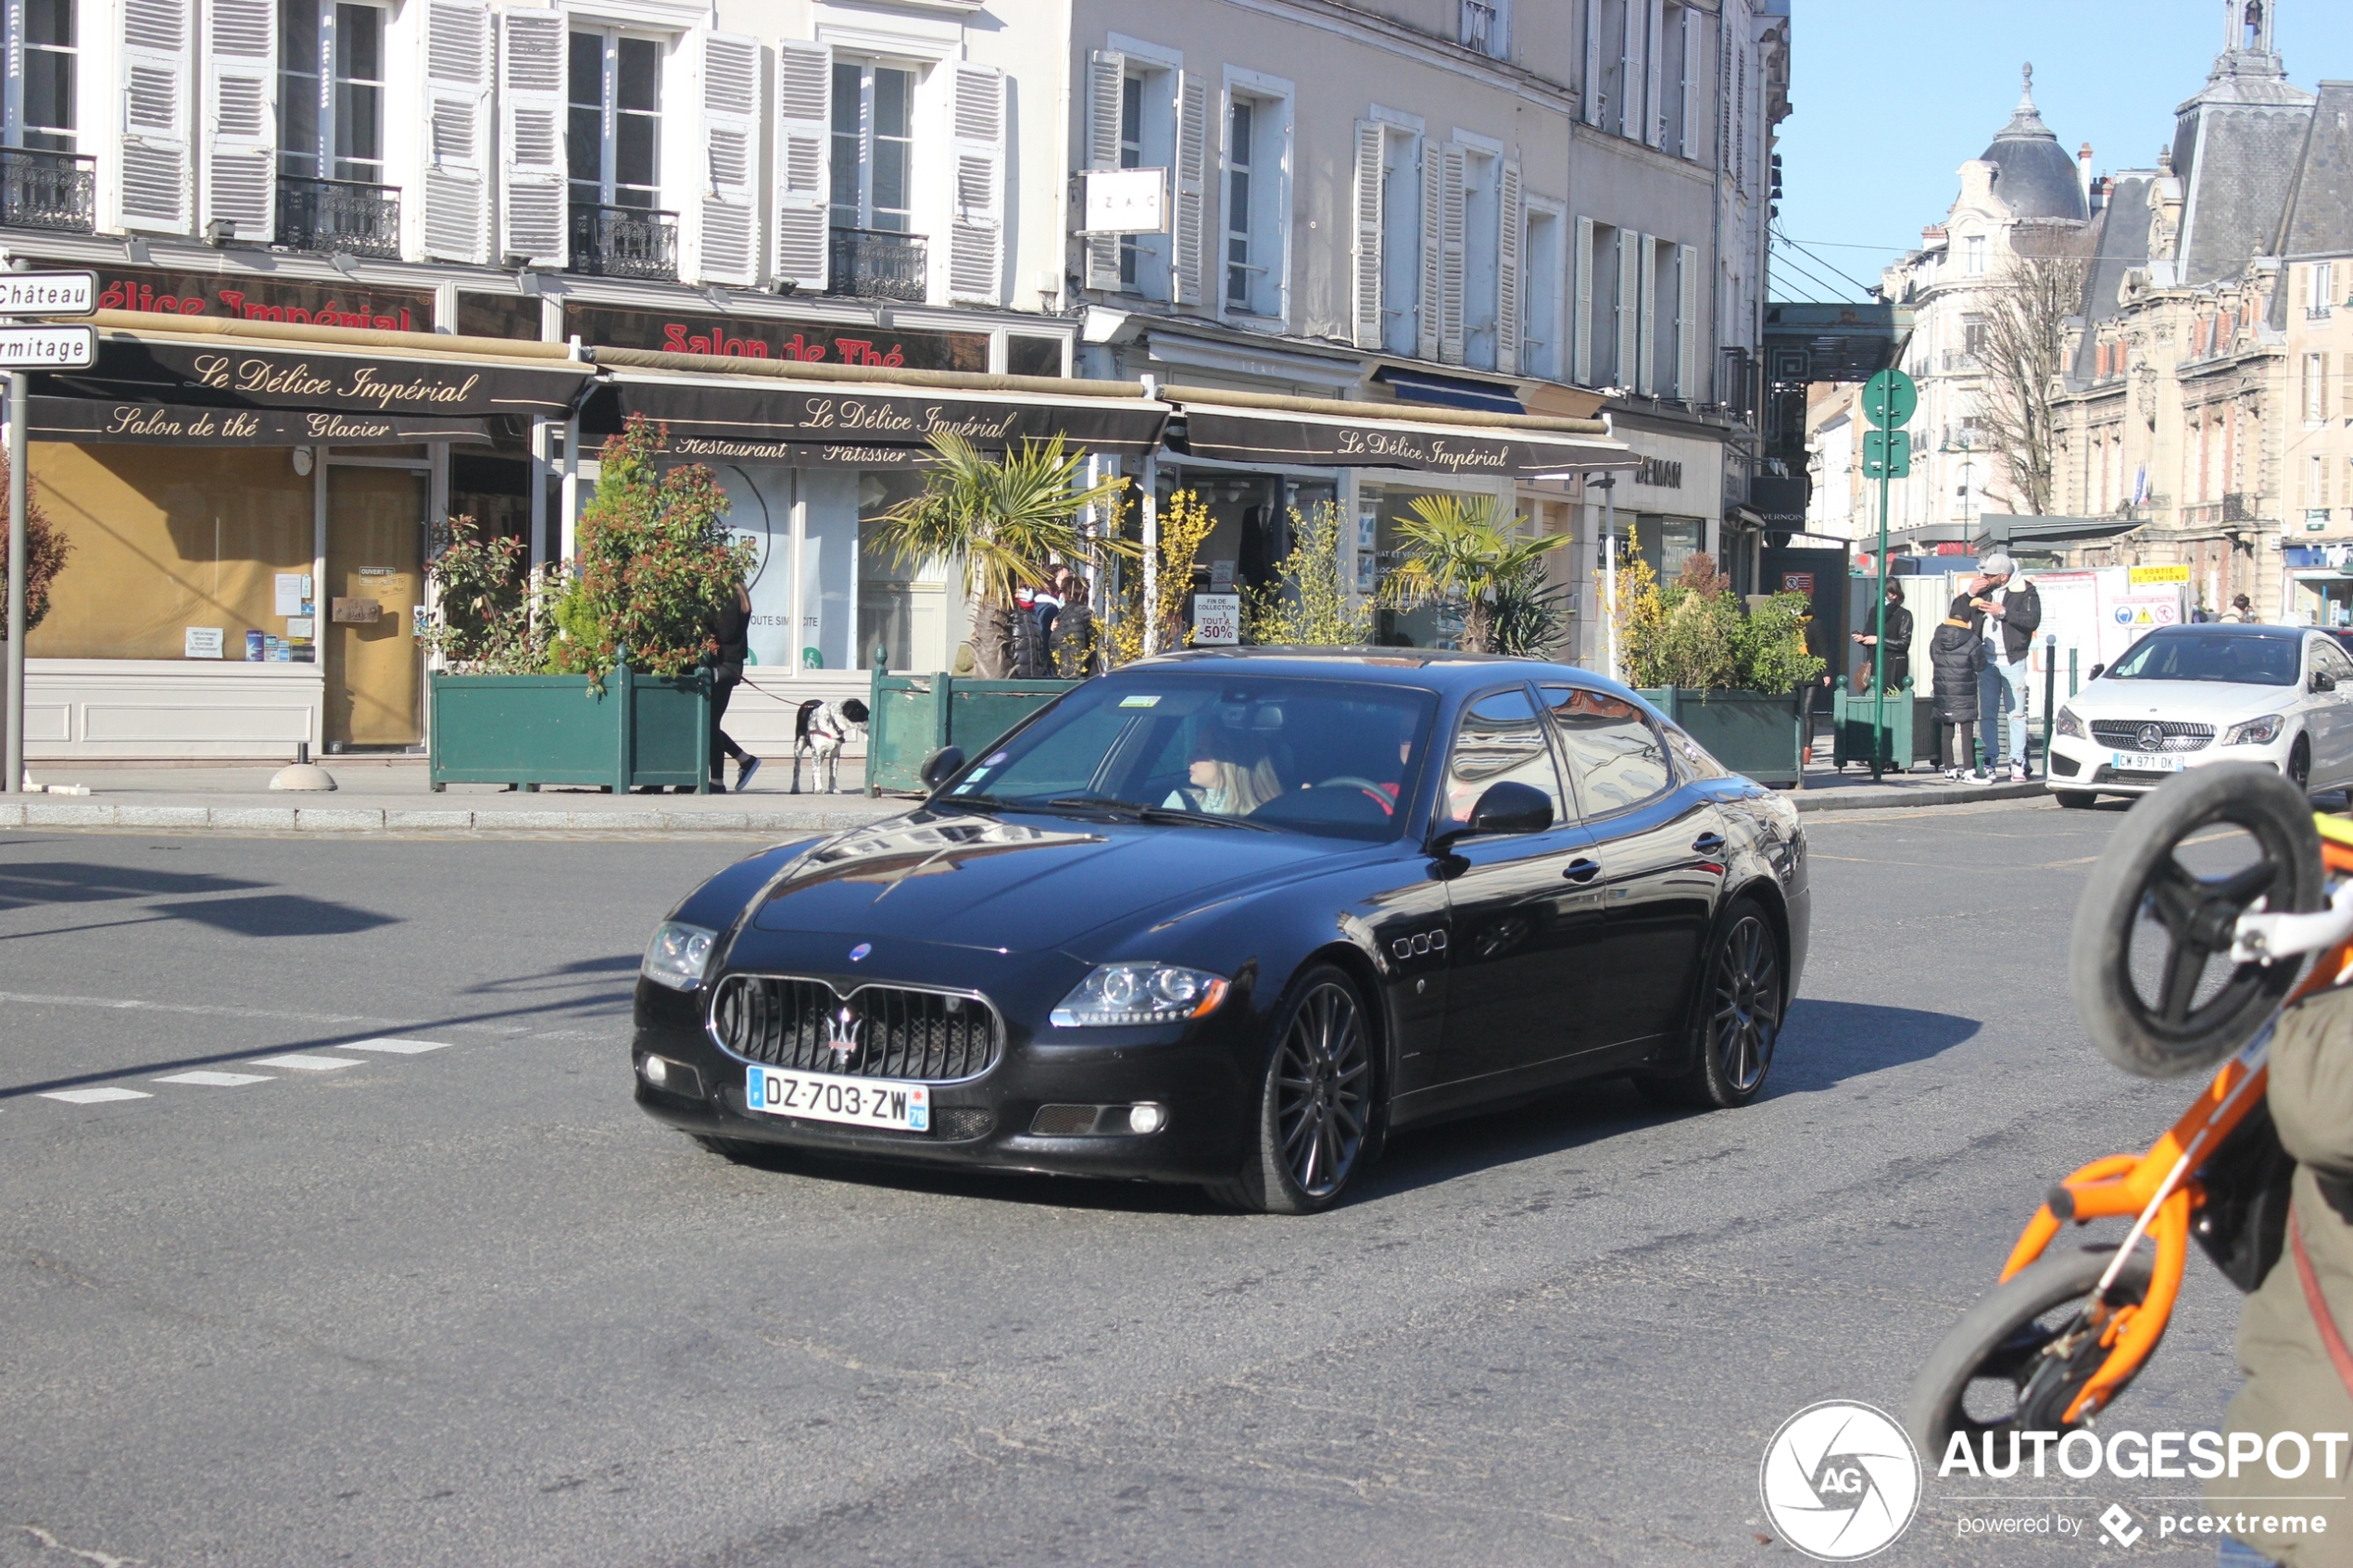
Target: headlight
{"points": [[2256, 731], [1139, 993], [678, 955], [2069, 724]]}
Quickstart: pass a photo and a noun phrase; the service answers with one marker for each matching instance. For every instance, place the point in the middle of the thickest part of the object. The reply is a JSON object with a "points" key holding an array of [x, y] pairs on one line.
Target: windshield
{"points": [[1312, 756], [2247, 658]]}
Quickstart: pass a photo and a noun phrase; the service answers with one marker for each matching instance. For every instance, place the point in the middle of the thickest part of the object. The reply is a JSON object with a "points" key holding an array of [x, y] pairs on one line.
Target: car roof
{"points": [[2232, 629], [1443, 669]]}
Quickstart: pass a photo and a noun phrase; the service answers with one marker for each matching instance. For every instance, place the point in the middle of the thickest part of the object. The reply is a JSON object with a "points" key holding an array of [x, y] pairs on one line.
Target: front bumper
{"points": [[2081, 764], [1201, 1073]]}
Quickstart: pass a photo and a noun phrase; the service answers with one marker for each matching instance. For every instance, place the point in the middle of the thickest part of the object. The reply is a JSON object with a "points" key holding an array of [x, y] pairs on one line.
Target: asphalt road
{"points": [[466, 1305]]}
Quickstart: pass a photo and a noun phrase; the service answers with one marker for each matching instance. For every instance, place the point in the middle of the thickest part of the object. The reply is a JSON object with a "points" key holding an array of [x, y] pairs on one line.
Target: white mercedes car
{"points": [[2183, 695]]}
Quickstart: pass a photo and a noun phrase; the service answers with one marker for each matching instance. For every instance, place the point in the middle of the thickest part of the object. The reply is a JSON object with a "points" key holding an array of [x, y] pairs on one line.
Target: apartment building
{"points": [[1479, 208]]}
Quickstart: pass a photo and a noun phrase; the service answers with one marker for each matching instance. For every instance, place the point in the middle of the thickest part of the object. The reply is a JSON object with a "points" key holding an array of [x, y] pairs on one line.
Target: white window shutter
{"points": [[158, 163], [1630, 72], [1427, 333], [1629, 299], [533, 192], [1452, 235], [804, 160], [977, 227], [1654, 101], [721, 227], [240, 184], [1580, 361], [1510, 264], [1372, 147], [1646, 319], [1687, 322], [1106, 80], [1190, 225], [1592, 90], [1690, 89], [458, 153]]}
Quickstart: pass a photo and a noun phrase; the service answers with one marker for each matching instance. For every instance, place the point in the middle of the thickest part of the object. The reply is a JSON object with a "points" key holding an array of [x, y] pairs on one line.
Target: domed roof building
{"points": [[2036, 178]]}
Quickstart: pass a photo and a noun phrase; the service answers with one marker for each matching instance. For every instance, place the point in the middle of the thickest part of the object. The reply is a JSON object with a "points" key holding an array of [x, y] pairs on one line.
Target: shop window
{"points": [[331, 87], [45, 115], [874, 146], [498, 315], [1033, 356], [1379, 509], [902, 608], [612, 143]]}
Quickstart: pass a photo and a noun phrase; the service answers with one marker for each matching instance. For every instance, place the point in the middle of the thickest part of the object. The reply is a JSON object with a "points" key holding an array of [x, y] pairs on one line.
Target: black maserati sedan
{"points": [[1234, 917]]}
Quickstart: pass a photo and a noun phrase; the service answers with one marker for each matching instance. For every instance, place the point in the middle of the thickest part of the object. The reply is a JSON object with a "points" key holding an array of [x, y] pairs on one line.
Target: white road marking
{"points": [[218, 1080], [303, 1062], [95, 1096], [394, 1047]]}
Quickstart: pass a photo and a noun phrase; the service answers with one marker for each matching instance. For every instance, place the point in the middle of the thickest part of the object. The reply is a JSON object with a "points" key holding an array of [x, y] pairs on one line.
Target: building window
{"points": [[1482, 237], [2319, 287], [874, 146], [331, 91], [1241, 271], [613, 137], [45, 115], [1131, 155], [1973, 254], [2316, 388], [1544, 265], [1401, 242], [1487, 26]]}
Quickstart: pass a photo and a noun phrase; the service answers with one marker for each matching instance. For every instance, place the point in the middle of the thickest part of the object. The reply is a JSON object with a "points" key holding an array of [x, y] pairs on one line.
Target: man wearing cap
{"points": [[2008, 614]]}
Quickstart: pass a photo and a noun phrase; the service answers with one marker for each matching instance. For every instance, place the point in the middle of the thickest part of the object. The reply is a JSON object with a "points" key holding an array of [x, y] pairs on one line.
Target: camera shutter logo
{"points": [[1840, 1481]]}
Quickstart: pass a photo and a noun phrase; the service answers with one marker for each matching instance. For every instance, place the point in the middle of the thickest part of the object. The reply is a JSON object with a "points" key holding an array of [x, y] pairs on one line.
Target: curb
{"points": [[1869, 797], [369, 818]]}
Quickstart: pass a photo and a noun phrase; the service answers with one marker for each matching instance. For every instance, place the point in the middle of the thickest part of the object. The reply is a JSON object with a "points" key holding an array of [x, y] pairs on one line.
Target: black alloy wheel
{"points": [[1737, 1017], [1315, 1114], [2300, 764]]}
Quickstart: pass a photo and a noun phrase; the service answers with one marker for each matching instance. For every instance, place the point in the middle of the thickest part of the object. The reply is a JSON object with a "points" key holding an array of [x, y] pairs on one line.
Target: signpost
{"points": [[1889, 399], [22, 349]]}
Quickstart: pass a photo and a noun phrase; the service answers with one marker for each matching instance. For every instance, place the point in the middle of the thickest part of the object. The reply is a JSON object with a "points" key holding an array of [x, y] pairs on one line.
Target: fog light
{"points": [[1146, 1118], [656, 1070]]}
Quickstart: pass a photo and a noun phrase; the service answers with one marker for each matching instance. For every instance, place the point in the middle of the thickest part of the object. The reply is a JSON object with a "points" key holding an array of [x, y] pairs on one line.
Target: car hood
{"points": [[1021, 883], [2209, 700]]}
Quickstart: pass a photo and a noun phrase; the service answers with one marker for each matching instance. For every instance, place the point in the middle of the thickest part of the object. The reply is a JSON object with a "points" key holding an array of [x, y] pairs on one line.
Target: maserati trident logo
{"points": [[841, 1037], [2152, 737]]}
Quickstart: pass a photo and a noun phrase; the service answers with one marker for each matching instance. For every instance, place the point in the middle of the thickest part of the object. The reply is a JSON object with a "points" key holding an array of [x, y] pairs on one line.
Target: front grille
{"points": [[925, 1035], [2124, 735]]}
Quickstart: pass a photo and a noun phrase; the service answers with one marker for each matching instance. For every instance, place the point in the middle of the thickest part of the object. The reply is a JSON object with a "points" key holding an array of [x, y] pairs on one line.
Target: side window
{"points": [[1500, 738], [1617, 757], [2330, 660], [1692, 756]]}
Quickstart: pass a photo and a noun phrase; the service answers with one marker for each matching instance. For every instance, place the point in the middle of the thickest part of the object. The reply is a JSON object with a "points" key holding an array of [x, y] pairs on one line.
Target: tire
{"points": [[2299, 765], [2137, 876], [1317, 1101], [2003, 1335], [1736, 1018], [2077, 799]]}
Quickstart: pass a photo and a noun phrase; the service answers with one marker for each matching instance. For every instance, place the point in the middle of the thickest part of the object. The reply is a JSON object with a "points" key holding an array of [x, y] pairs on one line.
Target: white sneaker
{"points": [[2018, 772]]}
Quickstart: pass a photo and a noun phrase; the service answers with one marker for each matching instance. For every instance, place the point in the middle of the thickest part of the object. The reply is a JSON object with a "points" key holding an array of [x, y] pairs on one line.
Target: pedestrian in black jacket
{"points": [[1899, 639], [1957, 655], [732, 633]]}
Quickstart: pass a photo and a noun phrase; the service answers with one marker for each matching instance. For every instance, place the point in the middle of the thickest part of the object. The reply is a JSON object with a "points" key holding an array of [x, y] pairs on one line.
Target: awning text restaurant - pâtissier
{"points": [[248, 505]]}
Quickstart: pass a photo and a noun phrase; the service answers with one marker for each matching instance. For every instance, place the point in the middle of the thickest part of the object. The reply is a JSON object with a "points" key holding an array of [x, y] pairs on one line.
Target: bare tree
{"points": [[2026, 315]]}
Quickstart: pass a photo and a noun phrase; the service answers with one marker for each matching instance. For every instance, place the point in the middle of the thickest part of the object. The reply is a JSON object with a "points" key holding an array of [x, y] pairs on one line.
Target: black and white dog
{"points": [[821, 729]]}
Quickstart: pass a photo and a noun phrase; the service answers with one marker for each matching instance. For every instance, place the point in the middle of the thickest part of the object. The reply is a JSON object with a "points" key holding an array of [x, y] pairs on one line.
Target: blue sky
{"points": [[1890, 99]]}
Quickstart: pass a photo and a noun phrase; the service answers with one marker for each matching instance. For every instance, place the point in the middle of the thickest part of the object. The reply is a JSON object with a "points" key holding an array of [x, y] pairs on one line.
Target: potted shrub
{"points": [[1466, 553], [1732, 675], [591, 672]]}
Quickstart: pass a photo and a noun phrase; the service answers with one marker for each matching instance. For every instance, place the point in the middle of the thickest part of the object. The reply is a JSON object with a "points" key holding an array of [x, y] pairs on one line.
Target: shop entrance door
{"points": [[375, 556]]}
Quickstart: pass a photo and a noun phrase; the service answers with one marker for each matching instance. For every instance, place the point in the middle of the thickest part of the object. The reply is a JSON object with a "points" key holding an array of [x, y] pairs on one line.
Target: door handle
{"points": [[1583, 871], [1708, 843]]}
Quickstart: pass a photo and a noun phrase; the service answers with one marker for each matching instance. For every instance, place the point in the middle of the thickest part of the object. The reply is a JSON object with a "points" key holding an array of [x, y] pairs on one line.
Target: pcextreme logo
{"points": [[1840, 1481]]}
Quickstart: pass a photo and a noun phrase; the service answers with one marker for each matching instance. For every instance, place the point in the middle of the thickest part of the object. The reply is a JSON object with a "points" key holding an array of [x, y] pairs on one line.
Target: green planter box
{"points": [[1756, 733], [908, 717], [1911, 726], [532, 730]]}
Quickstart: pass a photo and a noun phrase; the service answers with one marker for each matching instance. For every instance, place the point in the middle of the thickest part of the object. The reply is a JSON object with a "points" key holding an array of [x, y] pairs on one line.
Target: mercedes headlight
{"points": [[2069, 724], [1140, 993], [678, 955], [2256, 731]]}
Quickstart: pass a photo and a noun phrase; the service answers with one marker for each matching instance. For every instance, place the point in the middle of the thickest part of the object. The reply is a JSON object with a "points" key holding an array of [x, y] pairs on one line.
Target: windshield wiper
{"points": [[1134, 812]]}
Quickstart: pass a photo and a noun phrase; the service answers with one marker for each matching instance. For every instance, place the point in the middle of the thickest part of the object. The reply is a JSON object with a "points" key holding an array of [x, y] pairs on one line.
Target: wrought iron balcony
{"points": [[624, 242], [338, 216], [43, 190], [877, 264]]}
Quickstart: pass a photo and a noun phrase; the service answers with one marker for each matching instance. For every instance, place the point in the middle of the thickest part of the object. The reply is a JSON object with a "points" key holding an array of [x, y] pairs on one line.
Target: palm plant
{"points": [[1000, 520], [1465, 550]]}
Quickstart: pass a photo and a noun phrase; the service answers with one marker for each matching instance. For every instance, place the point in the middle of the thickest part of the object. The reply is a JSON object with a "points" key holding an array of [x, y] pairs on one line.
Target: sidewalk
{"points": [[392, 796], [1851, 789]]}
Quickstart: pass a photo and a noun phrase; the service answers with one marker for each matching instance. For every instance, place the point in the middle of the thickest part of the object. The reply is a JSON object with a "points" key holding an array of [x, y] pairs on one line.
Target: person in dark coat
{"points": [[1030, 660], [734, 635], [1073, 640], [1957, 655], [1899, 639]]}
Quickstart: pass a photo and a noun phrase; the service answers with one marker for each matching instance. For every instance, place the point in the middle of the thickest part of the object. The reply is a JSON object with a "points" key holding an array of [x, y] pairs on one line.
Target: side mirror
{"points": [[941, 766], [1506, 807], [2323, 682], [2094, 675]]}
